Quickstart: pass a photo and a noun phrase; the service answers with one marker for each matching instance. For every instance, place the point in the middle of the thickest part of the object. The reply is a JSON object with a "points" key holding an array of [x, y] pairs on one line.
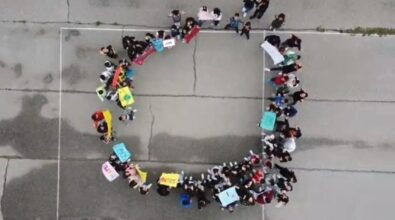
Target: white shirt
{"points": [[289, 145], [215, 17]]}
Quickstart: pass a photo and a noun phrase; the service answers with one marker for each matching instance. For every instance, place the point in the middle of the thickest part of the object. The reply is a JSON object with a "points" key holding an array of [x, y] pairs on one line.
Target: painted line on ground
{"points": [[59, 124]]}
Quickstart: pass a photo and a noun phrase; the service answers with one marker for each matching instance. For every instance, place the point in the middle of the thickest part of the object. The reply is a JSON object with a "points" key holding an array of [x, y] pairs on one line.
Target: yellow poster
{"points": [[125, 96], [108, 119], [169, 179], [143, 175]]}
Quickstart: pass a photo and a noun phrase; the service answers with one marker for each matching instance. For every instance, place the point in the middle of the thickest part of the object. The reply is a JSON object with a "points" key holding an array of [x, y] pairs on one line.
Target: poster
{"points": [[101, 92], [169, 43], [108, 119], [169, 179], [268, 120], [228, 196], [109, 172], [122, 153], [273, 52], [125, 96]]}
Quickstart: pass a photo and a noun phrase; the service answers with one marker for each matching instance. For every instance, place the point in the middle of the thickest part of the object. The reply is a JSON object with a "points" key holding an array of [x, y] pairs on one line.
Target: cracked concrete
{"points": [[151, 131]]}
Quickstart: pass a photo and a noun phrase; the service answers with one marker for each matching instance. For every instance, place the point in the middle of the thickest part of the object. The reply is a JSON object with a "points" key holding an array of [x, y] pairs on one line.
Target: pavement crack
{"points": [[4, 185], [68, 10], [151, 131], [194, 66]]}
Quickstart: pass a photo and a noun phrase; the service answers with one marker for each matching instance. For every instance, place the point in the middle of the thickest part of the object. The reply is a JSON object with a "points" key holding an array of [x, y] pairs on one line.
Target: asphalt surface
{"points": [[197, 104]]}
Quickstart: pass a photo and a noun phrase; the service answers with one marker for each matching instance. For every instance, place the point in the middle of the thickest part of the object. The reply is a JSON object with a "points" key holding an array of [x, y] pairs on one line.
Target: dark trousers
{"points": [[246, 32]]}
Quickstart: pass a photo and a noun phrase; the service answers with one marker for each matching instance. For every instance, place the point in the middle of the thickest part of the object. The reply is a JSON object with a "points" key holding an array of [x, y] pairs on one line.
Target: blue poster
{"points": [[158, 45], [122, 153], [228, 196], [268, 120]]}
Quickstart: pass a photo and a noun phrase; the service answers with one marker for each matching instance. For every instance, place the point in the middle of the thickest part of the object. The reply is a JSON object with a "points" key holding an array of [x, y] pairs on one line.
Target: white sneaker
{"points": [[244, 14], [267, 69]]}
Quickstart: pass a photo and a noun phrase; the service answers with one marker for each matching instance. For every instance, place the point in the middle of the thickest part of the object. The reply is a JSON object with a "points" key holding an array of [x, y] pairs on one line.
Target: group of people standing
{"points": [[256, 178]]}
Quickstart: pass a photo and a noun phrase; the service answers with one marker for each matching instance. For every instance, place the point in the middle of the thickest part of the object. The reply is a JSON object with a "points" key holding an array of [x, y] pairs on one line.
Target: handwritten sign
{"points": [[122, 153], [268, 120], [109, 172], [125, 96], [169, 43], [228, 196], [169, 179]]}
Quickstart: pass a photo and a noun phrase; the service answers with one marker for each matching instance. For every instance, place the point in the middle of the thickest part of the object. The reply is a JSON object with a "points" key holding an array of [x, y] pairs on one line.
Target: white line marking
{"points": [[206, 31], [60, 124]]}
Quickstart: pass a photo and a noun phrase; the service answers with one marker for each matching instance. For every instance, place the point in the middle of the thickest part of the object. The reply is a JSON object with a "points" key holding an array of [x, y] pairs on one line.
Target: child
{"points": [[130, 116], [217, 16], [248, 6], [176, 16], [246, 30], [277, 22], [109, 51], [234, 23]]}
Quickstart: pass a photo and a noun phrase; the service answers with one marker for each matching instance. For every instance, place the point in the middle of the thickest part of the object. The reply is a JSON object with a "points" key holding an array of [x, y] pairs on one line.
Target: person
{"points": [[299, 96], [286, 69], [260, 8], [247, 7], [190, 23], [234, 23], [176, 17], [105, 76], [204, 15], [277, 22], [162, 189], [129, 116], [293, 41], [293, 81], [175, 32], [273, 40], [105, 138], [246, 30], [217, 16], [282, 200], [288, 174], [290, 57], [279, 80], [109, 51], [110, 66], [290, 111]]}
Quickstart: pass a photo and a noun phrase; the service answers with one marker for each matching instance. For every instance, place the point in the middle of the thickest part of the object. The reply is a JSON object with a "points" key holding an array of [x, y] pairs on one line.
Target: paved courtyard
{"points": [[198, 105]]}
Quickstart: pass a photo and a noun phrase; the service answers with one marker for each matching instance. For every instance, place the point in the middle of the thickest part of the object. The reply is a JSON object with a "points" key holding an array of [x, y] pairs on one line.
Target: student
{"points": [[108, 51], [260, 8], [105, 76], [247, 7], [246, 30], [273, 40], [175, 32], [217, 16], [286, 69], [279, 80], [290, 111], [234, 23], [204, 15], [110, 66], [288, 174], [293, 41], [277, 22], [176, 16], [299, 96], [282, 200], [130, 116]]}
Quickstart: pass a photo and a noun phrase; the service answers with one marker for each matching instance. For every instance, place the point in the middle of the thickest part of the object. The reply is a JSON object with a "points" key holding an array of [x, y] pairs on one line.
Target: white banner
{"points": [[273, 52]]}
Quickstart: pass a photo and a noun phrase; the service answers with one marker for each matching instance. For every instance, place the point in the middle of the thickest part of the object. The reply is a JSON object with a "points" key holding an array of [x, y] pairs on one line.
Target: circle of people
{"points": [[256, 178]]}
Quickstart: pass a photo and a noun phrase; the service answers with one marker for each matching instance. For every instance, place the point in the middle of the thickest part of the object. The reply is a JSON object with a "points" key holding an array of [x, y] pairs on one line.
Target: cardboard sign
{"points": [[192, 34], [118, 73], [125, 96], [143, 175], [228, 196], [273, 52], [169, 179], [169, 43], [158, 45], [268, 120], [122, 153], [109, 172], [101, 92], [140, 60], [108, 119]]}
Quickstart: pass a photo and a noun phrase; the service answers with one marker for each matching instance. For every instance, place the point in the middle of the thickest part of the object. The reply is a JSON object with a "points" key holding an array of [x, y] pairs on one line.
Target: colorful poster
{"points": [[268, 120], [273, 52], [140, 60], [158, 45], [143, 175], [169, 179], [228, 196], [117, 75], [125, 96], [194, 32], [130, 73], [109, 172], [122, 153]]}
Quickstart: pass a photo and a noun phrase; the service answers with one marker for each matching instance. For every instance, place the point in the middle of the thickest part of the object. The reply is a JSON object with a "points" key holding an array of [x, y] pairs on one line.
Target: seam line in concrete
{"points": [[68, 10], [151, 132], [194, 66], [59, 124], [4, 185]]}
